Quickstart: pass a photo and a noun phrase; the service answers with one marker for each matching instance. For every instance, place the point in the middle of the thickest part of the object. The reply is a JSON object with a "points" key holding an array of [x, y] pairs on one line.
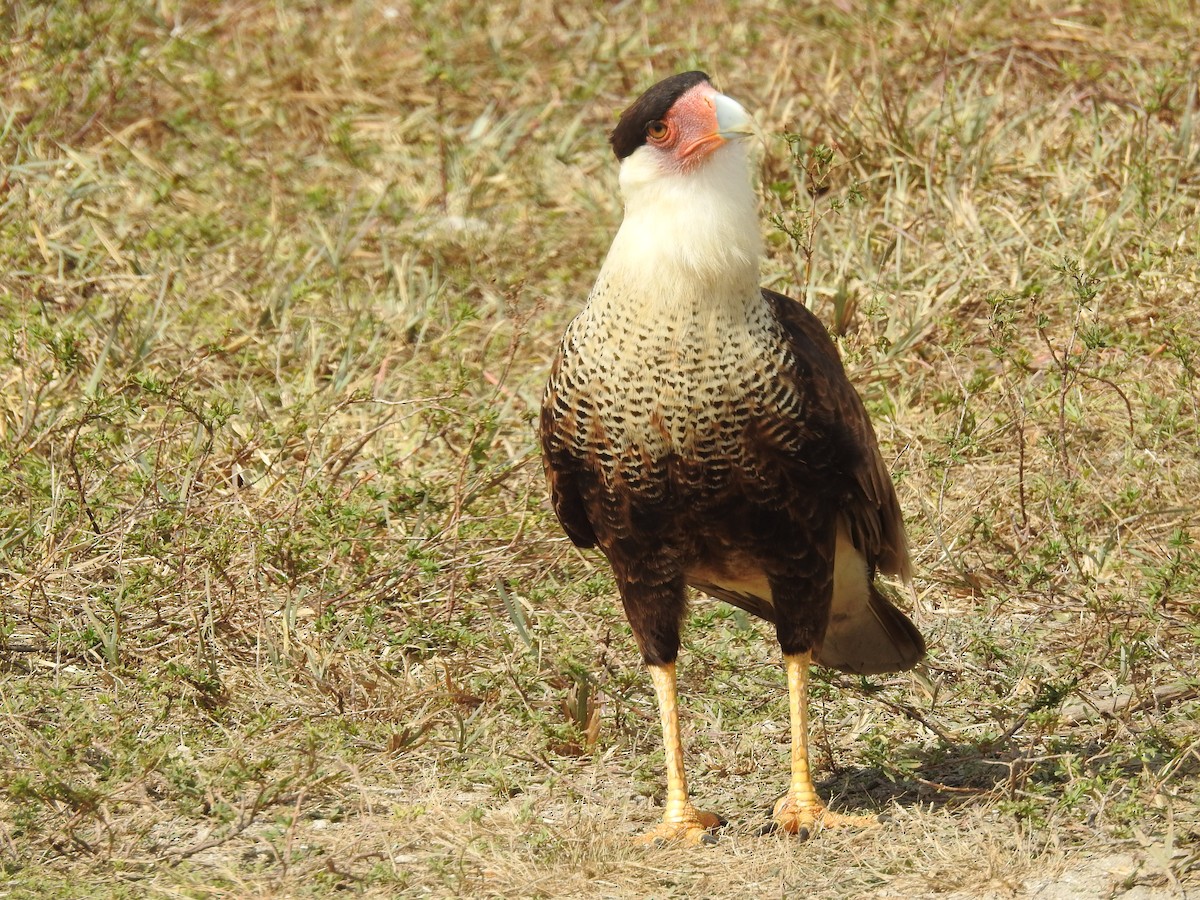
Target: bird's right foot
{"points": [[689, 827]]}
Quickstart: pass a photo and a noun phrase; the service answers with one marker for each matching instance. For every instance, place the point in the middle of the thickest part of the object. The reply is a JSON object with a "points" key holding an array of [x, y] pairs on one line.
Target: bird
{"points": [[701, 431]]}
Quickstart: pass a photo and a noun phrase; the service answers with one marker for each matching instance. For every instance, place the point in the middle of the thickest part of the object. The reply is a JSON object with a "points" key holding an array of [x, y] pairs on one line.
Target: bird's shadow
{"points": [[967, 772]]}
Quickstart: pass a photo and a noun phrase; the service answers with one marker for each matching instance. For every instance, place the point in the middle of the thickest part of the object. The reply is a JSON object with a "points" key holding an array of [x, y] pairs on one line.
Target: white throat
{"points": [[689, 245]]}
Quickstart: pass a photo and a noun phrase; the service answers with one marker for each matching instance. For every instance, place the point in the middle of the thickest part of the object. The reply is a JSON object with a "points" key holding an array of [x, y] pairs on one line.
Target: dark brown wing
{"points": [[871, 510], [558, 420]]}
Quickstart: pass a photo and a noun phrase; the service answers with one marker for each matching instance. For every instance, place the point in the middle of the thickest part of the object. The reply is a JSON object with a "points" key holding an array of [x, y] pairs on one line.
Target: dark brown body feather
{"points": [[736, 473]]}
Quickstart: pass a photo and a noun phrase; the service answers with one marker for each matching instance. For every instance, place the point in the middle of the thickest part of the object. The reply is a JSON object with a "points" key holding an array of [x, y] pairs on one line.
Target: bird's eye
{"points": [[656, 130]]}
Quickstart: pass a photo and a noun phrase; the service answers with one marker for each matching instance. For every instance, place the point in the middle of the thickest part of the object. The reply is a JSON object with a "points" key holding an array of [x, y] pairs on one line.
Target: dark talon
{"points": [[803, 834], [770, 828], [707, 838]]}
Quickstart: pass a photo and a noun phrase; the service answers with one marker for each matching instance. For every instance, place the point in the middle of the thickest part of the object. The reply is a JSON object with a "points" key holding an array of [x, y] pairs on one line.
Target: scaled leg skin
{"points": [[682, 822], [800, 811]]}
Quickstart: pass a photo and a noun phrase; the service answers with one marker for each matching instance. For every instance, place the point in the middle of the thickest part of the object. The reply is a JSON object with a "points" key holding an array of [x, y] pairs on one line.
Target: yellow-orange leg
{"points": [[682, 822], [800, 811]]}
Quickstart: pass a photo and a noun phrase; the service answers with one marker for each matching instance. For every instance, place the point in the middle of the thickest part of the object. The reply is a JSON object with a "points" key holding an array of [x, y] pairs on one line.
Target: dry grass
{"points": [[283, 611]]}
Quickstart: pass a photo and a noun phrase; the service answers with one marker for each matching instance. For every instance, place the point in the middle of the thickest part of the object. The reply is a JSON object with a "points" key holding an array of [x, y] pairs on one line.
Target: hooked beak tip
{"points": [[732, 119]]}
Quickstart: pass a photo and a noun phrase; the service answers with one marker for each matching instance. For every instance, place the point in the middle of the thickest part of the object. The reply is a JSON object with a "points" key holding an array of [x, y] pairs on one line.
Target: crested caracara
{"points": [[701, 431]]}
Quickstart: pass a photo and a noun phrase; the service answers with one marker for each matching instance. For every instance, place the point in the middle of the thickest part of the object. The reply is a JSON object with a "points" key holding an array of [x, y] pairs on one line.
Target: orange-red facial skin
{"points": [[692, 129]]}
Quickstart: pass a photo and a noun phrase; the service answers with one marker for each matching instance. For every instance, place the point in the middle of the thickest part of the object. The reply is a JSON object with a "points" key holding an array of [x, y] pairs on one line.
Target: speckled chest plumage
{"points": [[662, 406]]}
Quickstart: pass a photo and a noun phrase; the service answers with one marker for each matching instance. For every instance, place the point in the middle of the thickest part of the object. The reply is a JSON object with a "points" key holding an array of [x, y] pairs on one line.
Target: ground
{"points": [[283, 609]]}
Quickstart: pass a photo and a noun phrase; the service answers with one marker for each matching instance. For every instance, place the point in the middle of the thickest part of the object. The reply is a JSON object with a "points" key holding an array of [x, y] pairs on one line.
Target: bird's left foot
{"points": [[805, 816]]}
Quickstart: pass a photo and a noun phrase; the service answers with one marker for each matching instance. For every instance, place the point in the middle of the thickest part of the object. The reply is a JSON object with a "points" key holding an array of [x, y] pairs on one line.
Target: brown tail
{"points": [[870, 638], [866, 634]]}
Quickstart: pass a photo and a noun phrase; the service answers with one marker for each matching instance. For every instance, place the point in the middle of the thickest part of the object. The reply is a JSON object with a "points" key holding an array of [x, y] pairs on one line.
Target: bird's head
{"points": [[677, 125], [690, 208]]}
